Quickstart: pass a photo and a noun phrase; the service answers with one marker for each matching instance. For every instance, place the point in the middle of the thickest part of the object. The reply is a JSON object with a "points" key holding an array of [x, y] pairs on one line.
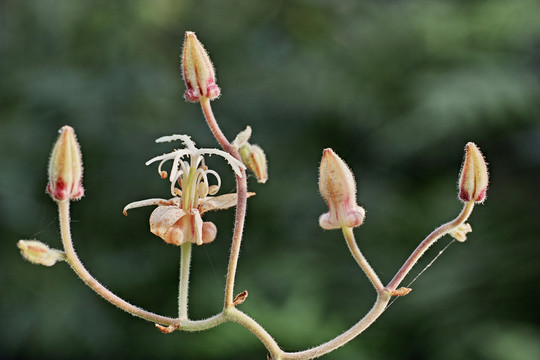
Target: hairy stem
{"points": [[214, 127], [361, 260], [246, 321], [427, 242], [241, 191], [80, 270], [368, 319], [183, 287]]}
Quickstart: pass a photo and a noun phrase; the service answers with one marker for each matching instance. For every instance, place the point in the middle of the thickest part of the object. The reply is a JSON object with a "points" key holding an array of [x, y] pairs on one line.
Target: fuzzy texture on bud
{"points": [[198, 71], [252, 156], [65, 167], [473, 180], [255, 160], [338, 188], [39, 253], [460, 232]]}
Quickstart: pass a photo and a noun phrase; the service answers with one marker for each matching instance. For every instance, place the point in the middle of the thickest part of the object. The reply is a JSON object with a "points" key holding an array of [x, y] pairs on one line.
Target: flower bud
{"points": [[460, 232], [197, 70], [38, 253], [252, 156], [255, 160], [338, 188], [473, 179], [65, 167]]}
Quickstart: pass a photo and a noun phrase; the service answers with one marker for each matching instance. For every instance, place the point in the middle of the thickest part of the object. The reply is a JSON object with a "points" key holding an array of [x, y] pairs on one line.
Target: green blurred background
{"points": [[397, 88]]}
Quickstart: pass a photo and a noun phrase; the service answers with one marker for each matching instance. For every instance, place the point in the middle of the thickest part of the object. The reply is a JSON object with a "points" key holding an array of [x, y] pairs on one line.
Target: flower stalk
{"points": [[179, 220]]}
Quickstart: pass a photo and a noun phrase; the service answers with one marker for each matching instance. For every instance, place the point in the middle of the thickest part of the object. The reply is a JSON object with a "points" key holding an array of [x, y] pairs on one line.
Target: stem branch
{"points": [[237, 316], [361, 260], [378, 308], [427, 242], [80, 270]]}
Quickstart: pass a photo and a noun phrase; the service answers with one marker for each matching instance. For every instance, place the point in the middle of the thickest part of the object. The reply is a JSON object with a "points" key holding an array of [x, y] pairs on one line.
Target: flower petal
{"points": [[163, 219], [149, 202], [219, 202]]}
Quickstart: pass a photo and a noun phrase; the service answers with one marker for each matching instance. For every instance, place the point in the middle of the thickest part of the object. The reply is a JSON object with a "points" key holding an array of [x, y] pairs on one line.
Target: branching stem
{"points": [[427, 242], [229, 312], [80, 270]]}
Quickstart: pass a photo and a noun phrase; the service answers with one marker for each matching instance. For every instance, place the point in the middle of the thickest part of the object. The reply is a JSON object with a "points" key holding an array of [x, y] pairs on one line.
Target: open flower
{"points": [[179, 220]]}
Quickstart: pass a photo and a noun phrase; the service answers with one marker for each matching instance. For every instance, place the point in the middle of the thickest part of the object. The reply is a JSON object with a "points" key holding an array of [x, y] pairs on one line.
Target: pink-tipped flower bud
{"points": [[338, 188], [198, 71], [65, 167], [473, 180]]}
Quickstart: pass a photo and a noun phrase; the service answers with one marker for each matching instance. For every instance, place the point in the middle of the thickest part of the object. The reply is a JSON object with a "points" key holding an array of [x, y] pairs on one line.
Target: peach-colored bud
{"points": [[473, 181], [39, 253], [65, 167], [338, 188], [197, 70]]}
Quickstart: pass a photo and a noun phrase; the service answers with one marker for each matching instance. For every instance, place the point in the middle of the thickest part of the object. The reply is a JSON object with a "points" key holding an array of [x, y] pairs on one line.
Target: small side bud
{"points": [[460, 232], [39, 253], [252, 156], [198, 71], [338, 188], [65, 167], [255, 160], [473, 180]]}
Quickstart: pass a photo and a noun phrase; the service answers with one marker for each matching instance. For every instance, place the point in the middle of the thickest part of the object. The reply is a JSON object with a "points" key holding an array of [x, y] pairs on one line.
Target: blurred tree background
{"points": [[397, 88]]}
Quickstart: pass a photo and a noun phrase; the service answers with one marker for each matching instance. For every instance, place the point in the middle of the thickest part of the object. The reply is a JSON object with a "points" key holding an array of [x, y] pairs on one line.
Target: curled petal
{"points": [[220, 202], [236, 165], [149, 202], [162, 224], [186, 140]]}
